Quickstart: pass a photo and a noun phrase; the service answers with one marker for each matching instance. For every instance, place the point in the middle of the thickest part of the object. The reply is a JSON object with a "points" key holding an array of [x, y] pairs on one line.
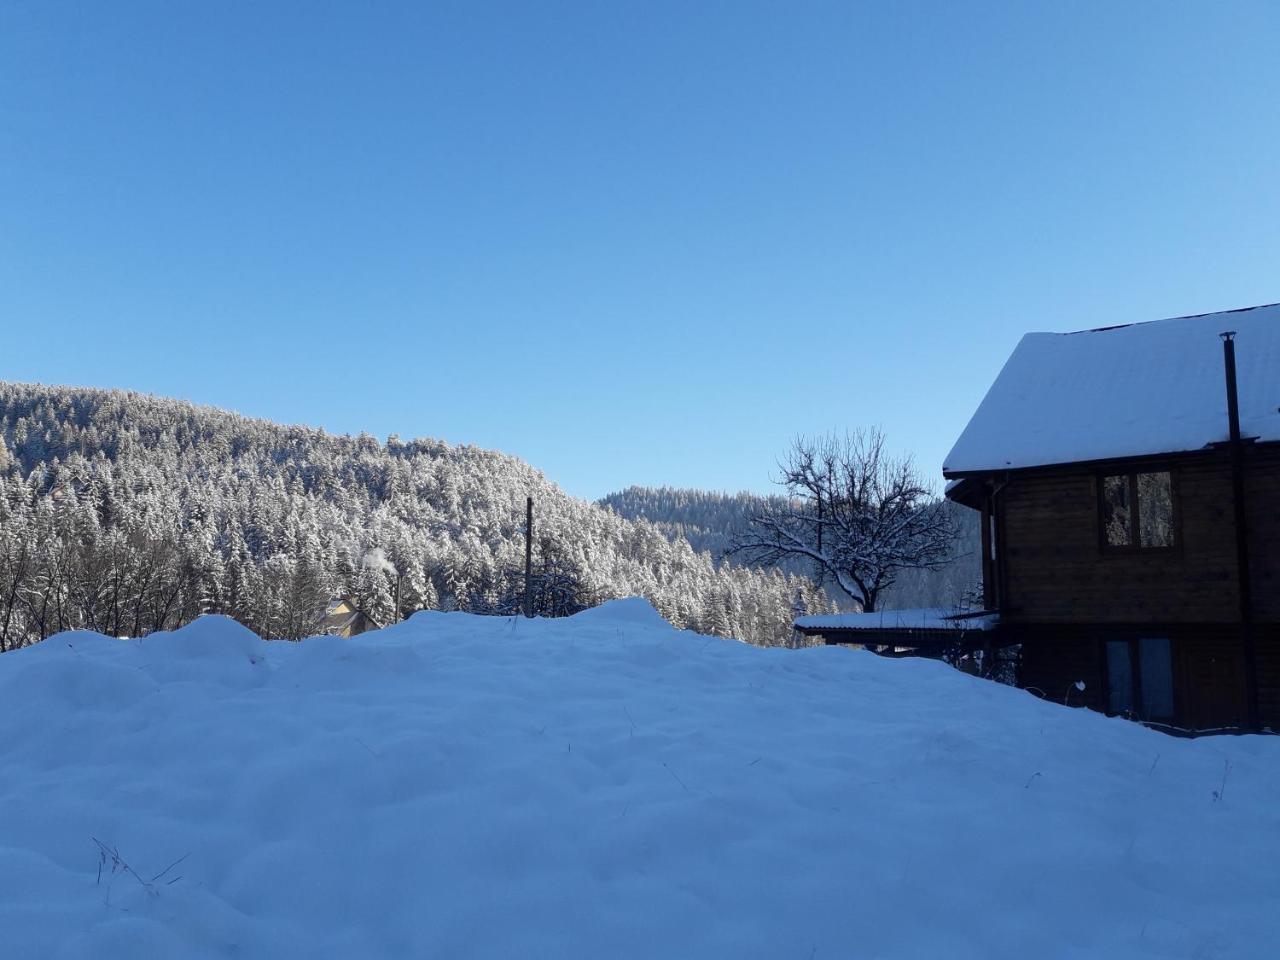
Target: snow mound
{"points": [[633, 611], [602, 786]]}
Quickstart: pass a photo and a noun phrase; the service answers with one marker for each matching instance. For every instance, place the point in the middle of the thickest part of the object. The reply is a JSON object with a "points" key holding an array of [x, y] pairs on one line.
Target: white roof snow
{"points": [[926, 618], [1144, 389]]}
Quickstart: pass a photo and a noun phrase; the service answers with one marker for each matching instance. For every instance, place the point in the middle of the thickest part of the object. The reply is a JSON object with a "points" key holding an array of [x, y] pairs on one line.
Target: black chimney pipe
{"points": [[1233, 399], [1245, 588]]}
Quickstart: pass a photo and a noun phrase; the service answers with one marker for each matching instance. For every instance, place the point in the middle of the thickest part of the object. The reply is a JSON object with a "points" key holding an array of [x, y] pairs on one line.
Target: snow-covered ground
{"points": [[602, 787]]}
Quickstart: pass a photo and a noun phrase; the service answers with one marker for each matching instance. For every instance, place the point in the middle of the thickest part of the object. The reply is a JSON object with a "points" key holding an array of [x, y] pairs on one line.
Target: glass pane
{"points": [[1155, 509], [1119, 677], [1117, 518], [1156, 663]]}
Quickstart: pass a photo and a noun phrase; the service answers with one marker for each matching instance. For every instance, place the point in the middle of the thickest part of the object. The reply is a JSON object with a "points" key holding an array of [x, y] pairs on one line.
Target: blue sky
{"points": [[628, 242]]}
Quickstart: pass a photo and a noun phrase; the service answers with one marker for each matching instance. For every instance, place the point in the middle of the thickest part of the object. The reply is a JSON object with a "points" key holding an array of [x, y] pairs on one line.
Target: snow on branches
{"points": [[859, 514]]}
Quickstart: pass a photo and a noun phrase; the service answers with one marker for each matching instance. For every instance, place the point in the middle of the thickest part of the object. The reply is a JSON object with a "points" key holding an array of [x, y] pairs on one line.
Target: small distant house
{"points": [[342, 618], [1128, 481]]}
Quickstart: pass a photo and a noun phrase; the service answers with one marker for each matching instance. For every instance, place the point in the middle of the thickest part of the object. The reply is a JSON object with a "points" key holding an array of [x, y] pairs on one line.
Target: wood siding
{"points": [[1054, 569], [1208, 669], [1262, 500], [1267, 639], [1063, 595]]}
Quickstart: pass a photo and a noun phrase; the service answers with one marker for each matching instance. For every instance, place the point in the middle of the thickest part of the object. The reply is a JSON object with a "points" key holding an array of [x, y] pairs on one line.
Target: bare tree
{"points": [[860, 515]]}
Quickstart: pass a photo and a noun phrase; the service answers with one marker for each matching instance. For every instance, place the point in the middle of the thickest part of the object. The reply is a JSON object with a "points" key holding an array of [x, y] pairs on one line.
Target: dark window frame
{"points": [[1134, 642], [1135, 509]]}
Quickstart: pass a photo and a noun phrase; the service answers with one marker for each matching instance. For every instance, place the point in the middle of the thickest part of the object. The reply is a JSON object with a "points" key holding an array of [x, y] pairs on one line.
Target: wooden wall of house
{"points": [[1209, 684], [1262, 498], [1208, 669], [1055, 657], [1267, 645], [1055, 569]]}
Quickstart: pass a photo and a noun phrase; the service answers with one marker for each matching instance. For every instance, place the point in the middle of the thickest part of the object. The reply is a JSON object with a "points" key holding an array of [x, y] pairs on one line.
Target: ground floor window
{"points": [[1140, 677]]}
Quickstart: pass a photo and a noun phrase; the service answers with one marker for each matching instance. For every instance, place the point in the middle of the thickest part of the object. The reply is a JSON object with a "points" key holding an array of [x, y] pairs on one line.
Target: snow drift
{"points": [[602, 786]]}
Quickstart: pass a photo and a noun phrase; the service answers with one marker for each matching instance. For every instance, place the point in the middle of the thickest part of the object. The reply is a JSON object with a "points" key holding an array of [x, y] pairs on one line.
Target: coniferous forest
{"points": [[125, 514]]}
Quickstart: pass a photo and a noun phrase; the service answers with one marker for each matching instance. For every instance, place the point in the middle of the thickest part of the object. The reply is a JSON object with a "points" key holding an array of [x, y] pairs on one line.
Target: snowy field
{"points": [[603, 787]]}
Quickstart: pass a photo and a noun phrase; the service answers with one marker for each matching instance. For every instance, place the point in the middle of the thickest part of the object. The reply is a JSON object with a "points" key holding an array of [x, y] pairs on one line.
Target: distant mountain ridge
{"points": [[125, 513], [708, 519]]}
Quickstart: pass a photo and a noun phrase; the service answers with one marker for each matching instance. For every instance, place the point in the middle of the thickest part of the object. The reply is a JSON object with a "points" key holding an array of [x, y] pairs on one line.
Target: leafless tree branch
{"points": [[859, 514]]}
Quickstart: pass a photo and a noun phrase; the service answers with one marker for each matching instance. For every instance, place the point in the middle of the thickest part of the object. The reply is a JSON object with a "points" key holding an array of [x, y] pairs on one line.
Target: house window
{"points": [[1137, 510], [1140, 678], [1119, 677], [1155, 677]]}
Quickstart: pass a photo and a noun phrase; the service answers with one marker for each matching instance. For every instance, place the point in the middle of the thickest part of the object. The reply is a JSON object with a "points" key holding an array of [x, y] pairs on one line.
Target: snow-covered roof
{"points": [[925, 618], [1143, 389]]}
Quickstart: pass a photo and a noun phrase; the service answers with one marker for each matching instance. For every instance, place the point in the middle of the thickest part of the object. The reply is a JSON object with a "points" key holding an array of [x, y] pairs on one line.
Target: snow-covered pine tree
{"points": [[126, 514]]}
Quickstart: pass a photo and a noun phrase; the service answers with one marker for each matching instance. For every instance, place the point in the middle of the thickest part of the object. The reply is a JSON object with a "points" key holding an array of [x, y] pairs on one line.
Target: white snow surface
{"points": [[603, 786], [1148, 388], [922, 618]]}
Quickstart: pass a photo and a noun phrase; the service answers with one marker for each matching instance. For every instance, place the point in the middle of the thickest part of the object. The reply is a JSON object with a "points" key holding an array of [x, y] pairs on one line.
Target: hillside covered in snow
{"points": [[712, 521], [126, 513], [603, 786]]}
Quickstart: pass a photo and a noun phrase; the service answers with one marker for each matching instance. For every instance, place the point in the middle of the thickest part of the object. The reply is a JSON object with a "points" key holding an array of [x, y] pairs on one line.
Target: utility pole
{"points": [[528, 557]]}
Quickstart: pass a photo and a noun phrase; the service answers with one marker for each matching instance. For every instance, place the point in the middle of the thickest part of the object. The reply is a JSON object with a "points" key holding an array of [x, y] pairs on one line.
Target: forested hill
{"points": [[710, 521], [127, 513]]}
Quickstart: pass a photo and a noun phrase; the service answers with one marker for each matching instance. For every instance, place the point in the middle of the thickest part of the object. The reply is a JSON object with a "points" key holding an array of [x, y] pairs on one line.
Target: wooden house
{"points": [[342, 618], [1129, 484]]}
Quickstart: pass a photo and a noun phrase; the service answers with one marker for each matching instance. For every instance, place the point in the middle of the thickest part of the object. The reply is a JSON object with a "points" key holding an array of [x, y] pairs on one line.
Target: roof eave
{"points": [[1209, 448]]}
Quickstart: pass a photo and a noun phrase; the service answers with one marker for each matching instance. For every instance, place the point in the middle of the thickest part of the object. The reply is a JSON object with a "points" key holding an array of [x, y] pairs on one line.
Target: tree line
{"points": [[126, 514]]}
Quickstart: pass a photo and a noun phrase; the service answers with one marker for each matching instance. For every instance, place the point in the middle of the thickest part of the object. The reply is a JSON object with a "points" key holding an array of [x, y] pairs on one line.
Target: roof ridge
{"points": [[1063, 400], [1188, 316]]}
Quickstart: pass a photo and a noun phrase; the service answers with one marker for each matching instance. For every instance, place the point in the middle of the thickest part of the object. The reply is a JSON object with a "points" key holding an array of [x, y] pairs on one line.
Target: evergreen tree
{"points": [[126, 514]]}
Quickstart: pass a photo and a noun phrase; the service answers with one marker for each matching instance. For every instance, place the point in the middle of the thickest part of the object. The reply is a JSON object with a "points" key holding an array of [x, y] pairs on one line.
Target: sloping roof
{"points": [[1144, 389], [926, 618], [338, 619]]}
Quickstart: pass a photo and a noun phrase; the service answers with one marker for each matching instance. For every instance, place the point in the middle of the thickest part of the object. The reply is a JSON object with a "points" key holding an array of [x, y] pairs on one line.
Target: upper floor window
{"points": [[1137, 510]]}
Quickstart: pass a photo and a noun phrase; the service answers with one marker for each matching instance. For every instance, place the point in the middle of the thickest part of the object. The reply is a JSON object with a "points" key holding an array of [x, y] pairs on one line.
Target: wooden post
{"points": [[399, 580], [528, 557], [988, 577]]}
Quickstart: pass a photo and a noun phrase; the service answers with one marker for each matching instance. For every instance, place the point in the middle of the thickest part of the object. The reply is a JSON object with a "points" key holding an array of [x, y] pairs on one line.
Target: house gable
{"points": [[1149, 389], [1173, 614]]}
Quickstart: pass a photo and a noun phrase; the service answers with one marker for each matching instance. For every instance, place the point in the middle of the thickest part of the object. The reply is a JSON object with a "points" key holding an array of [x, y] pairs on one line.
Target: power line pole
{"points": [[528, 557]]}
